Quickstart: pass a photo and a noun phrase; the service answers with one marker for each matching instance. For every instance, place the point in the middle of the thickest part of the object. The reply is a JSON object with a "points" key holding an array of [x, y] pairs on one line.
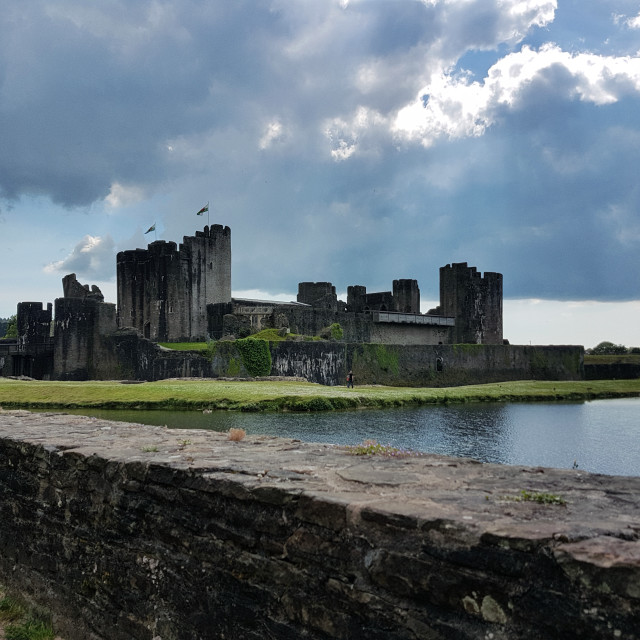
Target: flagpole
{"points": [[208, 214]]}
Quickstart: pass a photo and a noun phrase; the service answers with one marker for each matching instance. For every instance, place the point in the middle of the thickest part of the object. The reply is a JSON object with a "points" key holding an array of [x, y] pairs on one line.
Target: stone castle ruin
{"points": [[168, 293], [164, 290]]}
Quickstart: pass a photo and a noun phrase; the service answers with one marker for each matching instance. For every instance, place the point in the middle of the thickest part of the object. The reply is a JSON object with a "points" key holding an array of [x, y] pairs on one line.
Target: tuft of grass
{"points": [[29, 629], [540, 497], [21, 623], [235, 435], [11, 609], [151, 449], [374, 448], [184, 346]]}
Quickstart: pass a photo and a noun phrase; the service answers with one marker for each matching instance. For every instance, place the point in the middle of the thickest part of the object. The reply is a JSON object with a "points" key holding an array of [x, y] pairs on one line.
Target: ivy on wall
{"points": [[256, 356], [387, 359]]}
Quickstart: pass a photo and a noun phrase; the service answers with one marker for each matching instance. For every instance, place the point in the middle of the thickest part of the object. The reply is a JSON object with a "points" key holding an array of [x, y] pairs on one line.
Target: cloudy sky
{"points": [[355, 141]]}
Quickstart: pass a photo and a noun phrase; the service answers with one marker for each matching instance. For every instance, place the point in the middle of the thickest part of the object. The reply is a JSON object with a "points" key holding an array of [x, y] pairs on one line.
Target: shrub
{"points": [[608, 349], [256, 356], [12, 328], [336, 331]]}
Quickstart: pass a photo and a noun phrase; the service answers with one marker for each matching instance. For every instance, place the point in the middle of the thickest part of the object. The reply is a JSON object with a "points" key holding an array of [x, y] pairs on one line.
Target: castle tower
{"points": [[321, 295], [474, 301], [406, 296], [356, 298], [163, 291]]}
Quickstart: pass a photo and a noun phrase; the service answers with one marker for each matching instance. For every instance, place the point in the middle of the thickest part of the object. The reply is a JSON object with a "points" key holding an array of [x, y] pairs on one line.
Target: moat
{"points": [[601, 436]]}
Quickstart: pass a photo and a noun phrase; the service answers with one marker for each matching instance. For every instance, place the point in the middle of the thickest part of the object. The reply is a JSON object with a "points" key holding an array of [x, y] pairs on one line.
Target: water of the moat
{"points": [[602, 436]]}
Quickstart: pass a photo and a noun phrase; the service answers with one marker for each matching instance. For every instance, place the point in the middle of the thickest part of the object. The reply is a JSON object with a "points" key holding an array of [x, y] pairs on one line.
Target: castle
{"points": [[174, 294], [169, 293]]}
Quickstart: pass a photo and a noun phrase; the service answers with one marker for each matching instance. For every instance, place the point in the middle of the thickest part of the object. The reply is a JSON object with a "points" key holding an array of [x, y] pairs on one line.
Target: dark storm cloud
{"points": [[303, 123]]}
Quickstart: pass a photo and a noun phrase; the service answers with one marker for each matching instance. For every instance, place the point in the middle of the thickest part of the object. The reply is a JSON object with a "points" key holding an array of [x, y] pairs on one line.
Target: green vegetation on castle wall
{"points": [[233, 369], [387, 359], [256, 356], [467, 348], [376, 362]]}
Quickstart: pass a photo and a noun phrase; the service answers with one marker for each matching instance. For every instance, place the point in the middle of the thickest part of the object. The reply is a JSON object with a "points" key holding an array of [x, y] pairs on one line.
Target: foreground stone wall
{"points": [[137, 533]]}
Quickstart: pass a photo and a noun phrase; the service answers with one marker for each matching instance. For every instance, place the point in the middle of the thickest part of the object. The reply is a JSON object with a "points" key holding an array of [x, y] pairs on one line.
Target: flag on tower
{"points": [[203, 210], [150, 229]]}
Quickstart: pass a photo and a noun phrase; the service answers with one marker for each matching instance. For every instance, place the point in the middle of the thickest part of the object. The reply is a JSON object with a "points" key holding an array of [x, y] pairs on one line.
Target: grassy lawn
{"points": [[287, 396]]}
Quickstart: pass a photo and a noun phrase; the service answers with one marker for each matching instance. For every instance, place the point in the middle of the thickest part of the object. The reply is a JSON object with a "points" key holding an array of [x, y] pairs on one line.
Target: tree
{"points": [[609, 349], [12, 328]]}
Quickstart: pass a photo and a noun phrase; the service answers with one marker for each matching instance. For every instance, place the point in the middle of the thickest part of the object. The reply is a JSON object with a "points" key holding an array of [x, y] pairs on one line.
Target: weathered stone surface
{"points": [[136, 532]]}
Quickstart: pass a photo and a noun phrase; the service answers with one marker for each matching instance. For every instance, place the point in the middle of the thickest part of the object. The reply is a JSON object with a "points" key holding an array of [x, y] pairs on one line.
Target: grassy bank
{"points": [[287, 396]]}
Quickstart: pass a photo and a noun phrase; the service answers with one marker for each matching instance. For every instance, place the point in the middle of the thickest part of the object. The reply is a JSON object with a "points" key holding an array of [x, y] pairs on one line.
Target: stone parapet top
{"points": [[130, 531], [599, 524]]}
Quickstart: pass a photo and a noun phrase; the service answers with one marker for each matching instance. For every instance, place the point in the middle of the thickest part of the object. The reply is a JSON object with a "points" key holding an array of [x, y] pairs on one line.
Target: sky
{"points": [[350, 141]]}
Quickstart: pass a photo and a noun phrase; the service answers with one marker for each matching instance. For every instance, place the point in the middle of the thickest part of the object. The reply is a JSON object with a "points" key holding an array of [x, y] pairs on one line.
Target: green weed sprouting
{"points": [[11, 609], [29, 630], [536, 496], [374, 448], [21, 624], [151, 449]]}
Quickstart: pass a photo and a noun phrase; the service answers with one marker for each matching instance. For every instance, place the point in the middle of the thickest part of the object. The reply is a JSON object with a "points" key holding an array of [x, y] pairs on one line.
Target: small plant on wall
{"points": [[336, 331], [255, 355]]}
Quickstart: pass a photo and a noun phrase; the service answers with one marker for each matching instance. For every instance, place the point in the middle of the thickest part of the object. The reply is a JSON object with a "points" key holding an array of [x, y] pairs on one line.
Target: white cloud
{"points": [[346, 136], [633, 23], [454, 107], [274, 131], [121, 195], [92, 257]]}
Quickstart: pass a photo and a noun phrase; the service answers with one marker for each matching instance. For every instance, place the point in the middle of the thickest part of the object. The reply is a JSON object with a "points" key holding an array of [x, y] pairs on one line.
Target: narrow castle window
{"points": [[439, 365]]}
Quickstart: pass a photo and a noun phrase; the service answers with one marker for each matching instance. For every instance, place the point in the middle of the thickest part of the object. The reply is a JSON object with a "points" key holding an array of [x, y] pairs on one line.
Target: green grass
{"points": [[537, 496], [29, 630], [184, 346], [11, 609], [22, 624], [287, 396]]}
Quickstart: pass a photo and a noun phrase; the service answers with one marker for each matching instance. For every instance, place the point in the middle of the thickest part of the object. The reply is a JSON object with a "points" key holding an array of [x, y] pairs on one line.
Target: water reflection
{"points": [[601, 436]]}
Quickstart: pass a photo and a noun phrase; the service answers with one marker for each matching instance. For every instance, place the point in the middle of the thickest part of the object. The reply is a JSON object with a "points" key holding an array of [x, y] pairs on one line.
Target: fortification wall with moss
{"points": [[126, 355]]}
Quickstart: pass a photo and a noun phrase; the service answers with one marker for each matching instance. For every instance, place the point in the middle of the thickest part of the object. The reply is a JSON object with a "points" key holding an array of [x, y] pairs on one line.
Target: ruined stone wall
{"points": [[475, 301], [33, 323], [321, 295], [128, 532], [80, 351], [406, 296], [8, 346]]}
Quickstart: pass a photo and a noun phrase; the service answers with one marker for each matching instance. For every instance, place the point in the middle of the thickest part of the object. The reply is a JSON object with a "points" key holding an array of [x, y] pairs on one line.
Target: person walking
{"points": [[350, 379]]}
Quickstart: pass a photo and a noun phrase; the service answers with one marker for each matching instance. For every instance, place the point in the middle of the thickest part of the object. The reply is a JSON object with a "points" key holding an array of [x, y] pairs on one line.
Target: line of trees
{"points": [[610, 349], [9, 327]]}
